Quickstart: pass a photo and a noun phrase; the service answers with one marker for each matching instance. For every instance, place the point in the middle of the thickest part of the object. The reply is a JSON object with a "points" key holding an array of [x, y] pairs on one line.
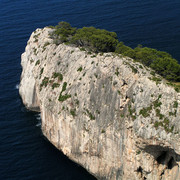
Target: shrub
{"points": [[156, 79], [44, 82], [125, 50], [145, 111], [57, 75], [73, 112], [79, 69], [42, 69], [37, 62], [66, 96], [63, 30], [99, 40], [91, 116], [175, 105], [55, 85]]}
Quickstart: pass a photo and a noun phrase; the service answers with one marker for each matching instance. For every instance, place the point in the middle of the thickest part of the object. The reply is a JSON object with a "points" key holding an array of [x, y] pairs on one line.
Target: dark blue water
{"points": [[24, 152]]}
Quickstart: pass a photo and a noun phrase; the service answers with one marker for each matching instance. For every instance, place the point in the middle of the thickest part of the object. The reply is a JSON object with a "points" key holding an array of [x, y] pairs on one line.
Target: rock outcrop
{"points": [[104, 111]]}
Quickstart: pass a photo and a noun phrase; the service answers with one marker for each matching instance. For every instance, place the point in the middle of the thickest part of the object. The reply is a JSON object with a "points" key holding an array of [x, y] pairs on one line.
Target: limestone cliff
{"points": [[103, 111]]}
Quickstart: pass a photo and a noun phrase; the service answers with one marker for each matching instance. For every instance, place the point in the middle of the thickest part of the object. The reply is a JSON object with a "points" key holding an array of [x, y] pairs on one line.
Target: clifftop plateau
{"points": [[104, 111]]}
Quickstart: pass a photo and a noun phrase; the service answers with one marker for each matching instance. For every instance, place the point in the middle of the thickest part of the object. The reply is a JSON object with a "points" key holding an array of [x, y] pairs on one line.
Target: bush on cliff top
{"points": [[97, 40], [100, 40], [160, 61]]}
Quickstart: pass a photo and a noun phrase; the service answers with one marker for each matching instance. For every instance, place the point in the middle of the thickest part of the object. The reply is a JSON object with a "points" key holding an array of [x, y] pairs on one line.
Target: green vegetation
{"points": [[93, 56], [173, 113], [157, 103], [175, 105], [176, 85], [91, 116], [77, 102], [57, 75], [66, 96], [42, 69], [35, 51], [165, 125], [132, 112], [161, 62], [125, 50], [55, 85], [63, 32], [117, 72], [138, 152], [134, 70], [100, 40], [44, 82], [122, 115], [103, 131], [119, 92], [158, 114], [156, 79], [37, 62], [145, 111], [79, 69], [82, 49], [73, 112], [96, 40], [44, 47]]}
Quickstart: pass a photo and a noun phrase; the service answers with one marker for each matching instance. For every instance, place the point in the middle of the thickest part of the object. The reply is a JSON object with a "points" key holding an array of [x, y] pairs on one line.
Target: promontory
{"points": [[115, 116]]}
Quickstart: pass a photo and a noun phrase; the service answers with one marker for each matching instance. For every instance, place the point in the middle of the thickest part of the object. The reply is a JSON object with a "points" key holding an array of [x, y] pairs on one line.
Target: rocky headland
{"points": [[104, 111]]}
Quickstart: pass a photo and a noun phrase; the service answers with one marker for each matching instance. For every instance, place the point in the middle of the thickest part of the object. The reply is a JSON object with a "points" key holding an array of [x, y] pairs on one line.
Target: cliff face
{"points": [[103, 111]]}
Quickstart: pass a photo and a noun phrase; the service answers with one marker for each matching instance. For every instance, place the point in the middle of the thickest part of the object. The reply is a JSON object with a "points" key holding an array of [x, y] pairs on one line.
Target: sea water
{"points": [[24, 152]]}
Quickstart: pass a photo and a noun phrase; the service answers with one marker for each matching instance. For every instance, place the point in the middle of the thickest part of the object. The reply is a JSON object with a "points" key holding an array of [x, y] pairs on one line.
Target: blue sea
{"points": [[24, 152]]}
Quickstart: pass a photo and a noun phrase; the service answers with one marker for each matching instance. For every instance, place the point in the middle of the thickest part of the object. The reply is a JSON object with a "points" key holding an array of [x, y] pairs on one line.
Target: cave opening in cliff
{"points": [[171, 163], [161, 159]]}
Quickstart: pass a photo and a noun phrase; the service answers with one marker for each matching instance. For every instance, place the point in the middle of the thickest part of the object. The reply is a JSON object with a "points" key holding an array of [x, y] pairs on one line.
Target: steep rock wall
{"points": [[102, 110]]}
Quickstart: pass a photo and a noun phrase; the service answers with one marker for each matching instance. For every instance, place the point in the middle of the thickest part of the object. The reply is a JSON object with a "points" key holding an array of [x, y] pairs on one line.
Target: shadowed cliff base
{"points": [[163, 155]]}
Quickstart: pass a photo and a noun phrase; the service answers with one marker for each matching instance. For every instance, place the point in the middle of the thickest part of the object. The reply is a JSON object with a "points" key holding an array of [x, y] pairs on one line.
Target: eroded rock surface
{"points": [[102, 110]]}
